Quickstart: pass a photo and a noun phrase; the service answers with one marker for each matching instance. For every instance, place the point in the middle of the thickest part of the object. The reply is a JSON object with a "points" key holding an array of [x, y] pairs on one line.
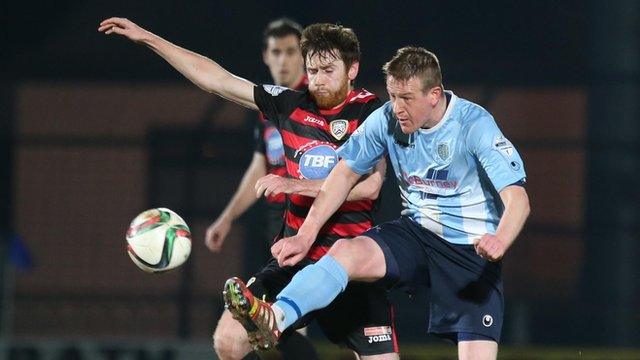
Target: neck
{"points": [[438, 113]]}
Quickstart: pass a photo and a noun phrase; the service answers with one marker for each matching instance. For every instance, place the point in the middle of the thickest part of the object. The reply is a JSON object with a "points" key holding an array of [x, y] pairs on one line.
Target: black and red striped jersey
{"points": [[310, 137], [268, 142]]}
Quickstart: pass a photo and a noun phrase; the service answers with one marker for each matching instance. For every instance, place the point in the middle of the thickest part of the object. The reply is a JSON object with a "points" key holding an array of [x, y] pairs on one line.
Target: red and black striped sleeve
{"points": [[277, 102]]}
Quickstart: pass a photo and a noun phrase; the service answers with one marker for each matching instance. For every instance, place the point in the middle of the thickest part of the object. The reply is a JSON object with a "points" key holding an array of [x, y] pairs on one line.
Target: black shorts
{"points": [[360, 318], [466, 292]]}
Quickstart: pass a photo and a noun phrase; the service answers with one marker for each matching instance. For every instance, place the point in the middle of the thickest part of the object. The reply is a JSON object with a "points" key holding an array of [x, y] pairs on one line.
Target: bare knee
{"points": [[230, 339], [361, 257], [477, 350]]}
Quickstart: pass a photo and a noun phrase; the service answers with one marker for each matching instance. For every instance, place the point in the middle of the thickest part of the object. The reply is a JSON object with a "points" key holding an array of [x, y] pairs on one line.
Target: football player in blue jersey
{"points": [[462, 189]]}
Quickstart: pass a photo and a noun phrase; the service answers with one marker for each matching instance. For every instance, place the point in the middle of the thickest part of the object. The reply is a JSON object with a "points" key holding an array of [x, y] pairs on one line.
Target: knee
{"points": [[346, 252], [341, 248], [227, 343]]}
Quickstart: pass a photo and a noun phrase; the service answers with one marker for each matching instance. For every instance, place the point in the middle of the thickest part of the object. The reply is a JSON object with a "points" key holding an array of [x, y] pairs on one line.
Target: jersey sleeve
{"points": [[497, 155], [258, 136], [276, 102], [367, 145]]}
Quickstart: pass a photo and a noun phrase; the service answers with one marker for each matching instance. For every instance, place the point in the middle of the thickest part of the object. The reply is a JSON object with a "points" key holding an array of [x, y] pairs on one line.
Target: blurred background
{"points": [[96, 129]]}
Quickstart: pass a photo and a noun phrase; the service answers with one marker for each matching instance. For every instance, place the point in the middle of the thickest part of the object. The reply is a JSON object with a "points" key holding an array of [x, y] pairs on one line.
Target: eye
{"points": [[312, 71]]}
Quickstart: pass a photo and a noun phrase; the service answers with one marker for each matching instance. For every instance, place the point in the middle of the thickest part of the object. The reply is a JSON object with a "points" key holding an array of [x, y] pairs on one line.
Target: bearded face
{"points": [[329, 80]]}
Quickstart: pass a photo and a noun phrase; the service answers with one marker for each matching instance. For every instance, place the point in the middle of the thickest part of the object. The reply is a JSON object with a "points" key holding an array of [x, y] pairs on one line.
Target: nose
{"points": [[397, 108], [320, 79]]}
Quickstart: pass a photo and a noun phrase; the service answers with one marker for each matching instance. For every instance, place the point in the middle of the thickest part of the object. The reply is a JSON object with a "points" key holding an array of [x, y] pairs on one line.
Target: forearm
{"points": [[245, 196], [367, 189], [516, 211], [332, 194], [202, 71]]}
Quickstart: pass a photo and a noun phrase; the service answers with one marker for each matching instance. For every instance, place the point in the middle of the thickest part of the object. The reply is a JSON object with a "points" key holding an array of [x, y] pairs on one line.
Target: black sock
{"points": [[296, 346]]}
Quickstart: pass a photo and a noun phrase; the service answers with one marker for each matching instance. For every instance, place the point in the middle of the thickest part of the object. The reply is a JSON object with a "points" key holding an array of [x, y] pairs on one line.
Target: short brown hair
{"points": [[411, 61], [280, 28], [327, 39]]}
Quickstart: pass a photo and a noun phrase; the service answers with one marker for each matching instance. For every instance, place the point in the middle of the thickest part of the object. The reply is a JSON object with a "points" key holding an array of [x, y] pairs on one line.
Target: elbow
{"points": [[375, 191], [526, 206]]}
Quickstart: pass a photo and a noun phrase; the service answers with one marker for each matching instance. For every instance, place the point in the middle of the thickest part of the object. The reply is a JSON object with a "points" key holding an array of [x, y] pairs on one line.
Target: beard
{"points": [[331, 99]]}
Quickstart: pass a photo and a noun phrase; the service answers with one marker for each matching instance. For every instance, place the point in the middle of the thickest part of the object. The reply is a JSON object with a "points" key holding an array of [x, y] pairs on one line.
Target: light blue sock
{"points": [[312, 288]]}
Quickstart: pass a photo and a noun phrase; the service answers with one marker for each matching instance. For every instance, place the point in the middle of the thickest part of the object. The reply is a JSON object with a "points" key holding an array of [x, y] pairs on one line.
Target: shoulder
{"points": [[362, 96], [277, 91], [472, 116], [383, 116]]}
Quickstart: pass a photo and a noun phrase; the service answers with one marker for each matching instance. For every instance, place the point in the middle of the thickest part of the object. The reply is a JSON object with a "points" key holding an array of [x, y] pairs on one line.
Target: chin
{"points": [[406, 130]]}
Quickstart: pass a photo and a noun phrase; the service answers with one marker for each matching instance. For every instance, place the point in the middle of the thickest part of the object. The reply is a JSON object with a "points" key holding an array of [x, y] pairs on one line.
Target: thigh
{"points": [[361, 318], [466, 291], [404, 252]]}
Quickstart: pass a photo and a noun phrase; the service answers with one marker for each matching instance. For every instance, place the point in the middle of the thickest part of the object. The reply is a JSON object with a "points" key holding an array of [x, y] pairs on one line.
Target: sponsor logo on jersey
{"points": [[378, 334], [339, 128], [314, 120], [434, 179], [274, 90], [317, 162], [274, 146]]}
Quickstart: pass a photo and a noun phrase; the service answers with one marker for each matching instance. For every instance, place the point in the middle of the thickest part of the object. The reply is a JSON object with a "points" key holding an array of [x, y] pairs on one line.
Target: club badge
{"points": [[339, 128]]}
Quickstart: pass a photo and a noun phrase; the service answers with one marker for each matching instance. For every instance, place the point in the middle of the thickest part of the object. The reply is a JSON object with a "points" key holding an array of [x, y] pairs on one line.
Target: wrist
{"points": [[309, 230], [226, 217]]}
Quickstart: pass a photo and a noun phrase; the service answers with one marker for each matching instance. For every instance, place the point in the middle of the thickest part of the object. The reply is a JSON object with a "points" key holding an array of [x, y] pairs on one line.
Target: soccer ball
{"points": [[158, 240]]}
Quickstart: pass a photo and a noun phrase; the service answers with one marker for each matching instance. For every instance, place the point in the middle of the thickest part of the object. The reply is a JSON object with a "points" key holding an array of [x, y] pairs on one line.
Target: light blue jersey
{"points": [[449, 175]]}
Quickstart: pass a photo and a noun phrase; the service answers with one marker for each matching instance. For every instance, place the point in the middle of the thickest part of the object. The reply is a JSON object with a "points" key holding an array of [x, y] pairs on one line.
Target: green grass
{"points": [[442, 352]]}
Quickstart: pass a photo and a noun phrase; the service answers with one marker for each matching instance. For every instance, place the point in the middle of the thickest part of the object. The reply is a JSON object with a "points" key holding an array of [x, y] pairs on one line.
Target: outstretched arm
{"points": [[516, 210], [239, 203], [334, 191], [200, 70], [367, 189]]}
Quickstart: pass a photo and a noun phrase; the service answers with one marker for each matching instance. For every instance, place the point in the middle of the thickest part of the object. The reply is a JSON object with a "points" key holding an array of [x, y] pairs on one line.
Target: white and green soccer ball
{"points": [[158, 240]]}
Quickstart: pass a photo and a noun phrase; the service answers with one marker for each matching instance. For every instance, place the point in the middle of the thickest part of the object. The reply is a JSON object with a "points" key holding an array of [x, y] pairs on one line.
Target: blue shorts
{"points": [[466, 294]]}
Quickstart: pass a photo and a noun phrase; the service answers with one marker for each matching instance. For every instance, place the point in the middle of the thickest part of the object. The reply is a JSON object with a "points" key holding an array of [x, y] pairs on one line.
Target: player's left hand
{"points": [[490, 247], [289, 251], [273, 185]]}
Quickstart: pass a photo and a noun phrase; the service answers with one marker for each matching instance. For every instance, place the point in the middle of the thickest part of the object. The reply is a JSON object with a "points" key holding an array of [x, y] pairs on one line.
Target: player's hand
{"points": [[289, 251], [273, 185], [490, 247], [216, 233], [123, 27]]}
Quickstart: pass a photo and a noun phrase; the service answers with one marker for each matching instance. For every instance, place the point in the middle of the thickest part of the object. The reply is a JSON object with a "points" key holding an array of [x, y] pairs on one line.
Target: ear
{"points": [[436, 95], [264, 57], [353, 71]]}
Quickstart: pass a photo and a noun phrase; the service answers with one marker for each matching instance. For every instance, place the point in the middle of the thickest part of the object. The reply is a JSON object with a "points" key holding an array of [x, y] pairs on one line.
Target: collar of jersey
{"points": [[445, 117]]}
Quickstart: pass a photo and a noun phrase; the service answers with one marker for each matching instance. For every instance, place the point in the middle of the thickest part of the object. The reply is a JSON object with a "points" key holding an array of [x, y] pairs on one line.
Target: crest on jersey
{"points": [[444, 152], [338, 128]]}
